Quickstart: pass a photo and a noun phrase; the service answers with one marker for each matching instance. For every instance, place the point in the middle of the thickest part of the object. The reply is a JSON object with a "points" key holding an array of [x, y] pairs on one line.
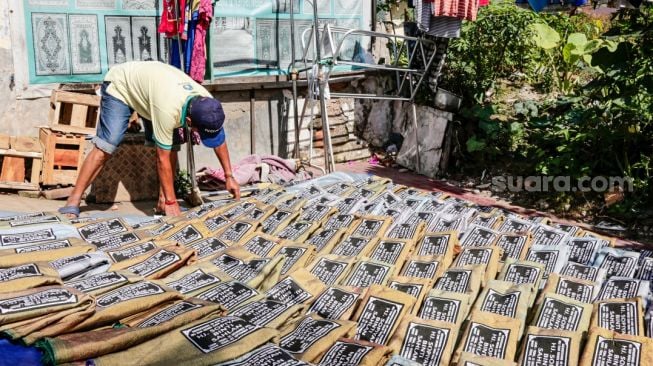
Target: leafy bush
{"points": [[588, 109]]}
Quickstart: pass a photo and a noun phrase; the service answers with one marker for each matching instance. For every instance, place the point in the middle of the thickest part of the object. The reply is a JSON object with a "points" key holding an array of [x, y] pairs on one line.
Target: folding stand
{"points": [[329, 54]]}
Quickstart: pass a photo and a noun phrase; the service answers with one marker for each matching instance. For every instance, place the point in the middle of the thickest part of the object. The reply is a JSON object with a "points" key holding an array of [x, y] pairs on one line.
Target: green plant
{"points": [[182, 184]]}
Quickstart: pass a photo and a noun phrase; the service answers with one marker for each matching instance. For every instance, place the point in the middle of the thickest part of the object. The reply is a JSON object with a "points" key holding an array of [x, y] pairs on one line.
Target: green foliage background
{"points": [[558, 94]]}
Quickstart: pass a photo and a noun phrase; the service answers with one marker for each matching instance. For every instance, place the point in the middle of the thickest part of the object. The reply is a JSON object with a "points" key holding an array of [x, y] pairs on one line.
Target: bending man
{"points": [[166, 99]]}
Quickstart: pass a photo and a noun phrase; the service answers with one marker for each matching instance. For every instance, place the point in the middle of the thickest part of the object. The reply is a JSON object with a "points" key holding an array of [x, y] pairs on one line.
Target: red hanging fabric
{"points": [[198, 63], [169, 24]]}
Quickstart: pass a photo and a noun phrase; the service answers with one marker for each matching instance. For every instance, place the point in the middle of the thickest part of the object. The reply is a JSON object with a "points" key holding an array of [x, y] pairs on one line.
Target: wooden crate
{"points": [[63, 156], [15, 165], [74, 112], [130, 174]]}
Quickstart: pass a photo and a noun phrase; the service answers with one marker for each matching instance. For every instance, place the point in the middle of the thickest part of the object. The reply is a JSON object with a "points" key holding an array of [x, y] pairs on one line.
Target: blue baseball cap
{"points": [[207, 116]]}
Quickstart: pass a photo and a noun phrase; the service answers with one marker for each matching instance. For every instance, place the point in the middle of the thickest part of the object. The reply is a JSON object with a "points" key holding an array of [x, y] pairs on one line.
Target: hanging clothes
{"points": [[423, 11], [445, 27], [198, 63], [483, 3], [463, 9], [170, 25]]}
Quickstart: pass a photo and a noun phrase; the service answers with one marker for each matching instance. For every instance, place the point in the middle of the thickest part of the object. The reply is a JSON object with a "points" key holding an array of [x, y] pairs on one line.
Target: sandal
{"points": [[69, 210]]}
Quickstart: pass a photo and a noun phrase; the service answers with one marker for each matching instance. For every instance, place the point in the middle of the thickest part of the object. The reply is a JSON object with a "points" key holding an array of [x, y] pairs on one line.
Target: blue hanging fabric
{"points": [[188, 50], [538, 5], [175, 58]]}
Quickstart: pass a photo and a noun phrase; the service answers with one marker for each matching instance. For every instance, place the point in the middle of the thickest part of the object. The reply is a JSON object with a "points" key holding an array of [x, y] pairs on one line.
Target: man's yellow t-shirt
{"points": [[157, 92]]}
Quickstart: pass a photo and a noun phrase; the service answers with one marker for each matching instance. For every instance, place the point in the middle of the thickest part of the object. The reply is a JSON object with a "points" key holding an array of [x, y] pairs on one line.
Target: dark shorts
{"points": [[114, 121]]}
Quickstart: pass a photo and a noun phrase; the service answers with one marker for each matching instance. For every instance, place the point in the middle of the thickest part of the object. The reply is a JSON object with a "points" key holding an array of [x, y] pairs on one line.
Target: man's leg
{"points": [[114, 120], [149, 141]]}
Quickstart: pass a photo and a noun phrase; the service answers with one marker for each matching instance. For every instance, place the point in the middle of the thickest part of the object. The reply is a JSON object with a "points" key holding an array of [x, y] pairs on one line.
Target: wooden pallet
{"points": [[74, 112], [63, 156], [14, 169]]}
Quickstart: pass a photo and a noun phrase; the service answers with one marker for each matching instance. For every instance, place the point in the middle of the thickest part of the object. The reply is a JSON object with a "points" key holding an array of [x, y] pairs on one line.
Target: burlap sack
{"points": [[295, 256], [311, 336], [416, 287], [299, 287], [624, 288], [130, 251], [368, 272], [192, 280], [290, 202], [341, 221], [317, 213], [583, 250], [235, 232], [81, 265], [208, 209], [427, 266], [463, 280], [264, 355], [391, 251], [258, 213], [120, 240], [514, 224], [349, 352], [490, 220], [446, 306], [28, 276], [442, 244], [262, 244], [580, 290], [240, 208], [215, 223], [606, 347], [325, 239], [30, 330], [207, 247], [479, 236], [583, 272], [147, 223], [260, 274], [514, 245], [231, 295], [380, 313], [543, 347], [298, 231], [43, 252], [427, 342], [230, 257], [490, 335], [32, 303], [269, 313], [278, 221], [609, 241], [86, 345], [41, 218], [204, 342], [553, 258], [103, 282], [352, 246], [337, 302], [625, 316], [158, 263], [331, 269], [486, 257], [407, 231], [562, 313], [617, 262], [370, 227], [506, 299], [518, 271], [125, 301], [100, 229], [189, 232], [470, 359]]}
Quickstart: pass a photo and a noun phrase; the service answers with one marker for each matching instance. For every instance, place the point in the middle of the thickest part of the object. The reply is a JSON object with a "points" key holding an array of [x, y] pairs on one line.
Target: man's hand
{"points": [[233, 187], [173, 210]]}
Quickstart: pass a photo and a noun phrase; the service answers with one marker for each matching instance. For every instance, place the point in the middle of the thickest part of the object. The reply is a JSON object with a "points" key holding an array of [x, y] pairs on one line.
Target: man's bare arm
{"points": [[222, 152]]}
